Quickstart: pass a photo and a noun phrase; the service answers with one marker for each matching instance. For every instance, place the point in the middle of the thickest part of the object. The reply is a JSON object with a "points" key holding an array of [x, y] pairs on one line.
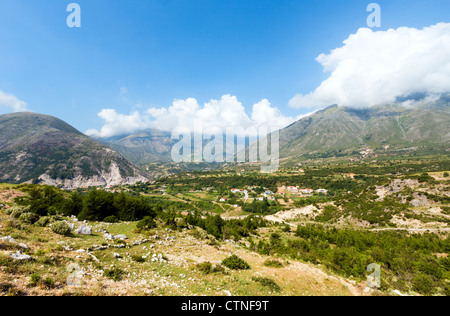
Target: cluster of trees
{"points": [[96, 205], [408, 262], [263, 207], [221, 183], [225, 229]]}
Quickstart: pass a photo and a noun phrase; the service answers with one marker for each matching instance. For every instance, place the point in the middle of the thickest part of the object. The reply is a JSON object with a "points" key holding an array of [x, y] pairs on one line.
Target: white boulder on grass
{"points": [[83, 230], [20, 256]]}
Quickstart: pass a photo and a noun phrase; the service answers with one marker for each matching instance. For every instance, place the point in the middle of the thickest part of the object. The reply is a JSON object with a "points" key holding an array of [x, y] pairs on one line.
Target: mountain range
{"points": [[42, 148], [342, 130], [334, 131], [143, 147]]}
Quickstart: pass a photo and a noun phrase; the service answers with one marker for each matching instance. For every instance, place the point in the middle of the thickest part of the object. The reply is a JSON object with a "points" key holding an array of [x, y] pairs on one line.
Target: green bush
{"points": [[205, 267], [35, 279], [273, 264], [219, 269], [146, 223], [43, 221], [29, 218], [61, 228], [235, 263], [48, 282], [446, 175], [137, 258], [267, 283], [16, 211], [114, 274], [423, 284], [111, 219]]}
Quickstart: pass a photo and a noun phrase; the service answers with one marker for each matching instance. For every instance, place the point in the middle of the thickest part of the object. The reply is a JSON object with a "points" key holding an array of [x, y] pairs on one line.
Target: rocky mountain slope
{"points": [[144, 147], [340, 131], [35, 147]]}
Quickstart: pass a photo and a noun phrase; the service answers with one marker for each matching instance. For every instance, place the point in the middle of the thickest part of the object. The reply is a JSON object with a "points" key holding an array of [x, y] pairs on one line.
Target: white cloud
{"points": [[224, 113], [118, 124], [264, 114], [12, 102], [376, 67]]}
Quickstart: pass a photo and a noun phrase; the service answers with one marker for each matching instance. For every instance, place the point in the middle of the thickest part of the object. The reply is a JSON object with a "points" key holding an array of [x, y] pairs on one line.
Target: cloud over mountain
{"points": [[223, 113], [11, 103], [376, 67]]}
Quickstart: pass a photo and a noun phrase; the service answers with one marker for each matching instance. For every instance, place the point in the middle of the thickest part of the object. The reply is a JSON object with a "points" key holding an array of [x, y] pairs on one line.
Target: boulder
{"points": [[109, 236], [83, 230], [11, 240], [20, 256]]}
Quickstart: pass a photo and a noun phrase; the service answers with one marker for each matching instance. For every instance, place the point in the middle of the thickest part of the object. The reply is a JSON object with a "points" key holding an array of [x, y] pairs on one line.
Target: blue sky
{"points": [[136, 54]]}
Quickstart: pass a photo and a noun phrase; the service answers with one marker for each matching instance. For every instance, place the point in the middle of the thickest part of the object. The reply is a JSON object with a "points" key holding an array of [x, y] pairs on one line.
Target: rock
{"points": [[20, 256], [109, 236], [367, 290], [397, 292], [11, 240], [83, 230], [123, 237], [8, 239], [116, 255]]}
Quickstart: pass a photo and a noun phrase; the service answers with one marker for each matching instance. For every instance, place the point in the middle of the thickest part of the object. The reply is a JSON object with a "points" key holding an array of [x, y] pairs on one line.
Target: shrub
{"points": [[114, 274], [35, 279], [29, 218], [61, 228], [446, 175], [273, 264], [9, 289], [111, 219], [16, 211], [13, 223], [146, 223], [423, 283], [235, 263], [48, 282], [219, 269], [137, 258], [205, 267], [43, 221], [267, 283], [9, 265]]}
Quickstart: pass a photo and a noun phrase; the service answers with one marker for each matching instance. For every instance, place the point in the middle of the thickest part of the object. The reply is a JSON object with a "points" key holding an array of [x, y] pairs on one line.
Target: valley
{"points": [[307, 232]]}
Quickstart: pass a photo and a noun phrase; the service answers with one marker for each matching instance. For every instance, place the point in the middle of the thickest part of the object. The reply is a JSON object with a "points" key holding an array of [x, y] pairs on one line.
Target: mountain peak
{"points": [[37, 147]]}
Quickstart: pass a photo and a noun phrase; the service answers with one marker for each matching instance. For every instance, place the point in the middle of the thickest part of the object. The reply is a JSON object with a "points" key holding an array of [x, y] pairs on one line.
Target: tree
{"points": [[96, 206]]}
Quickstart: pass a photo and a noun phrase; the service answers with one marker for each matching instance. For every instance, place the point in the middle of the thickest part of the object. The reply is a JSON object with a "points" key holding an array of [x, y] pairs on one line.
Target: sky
{"points": [[140, 64]]}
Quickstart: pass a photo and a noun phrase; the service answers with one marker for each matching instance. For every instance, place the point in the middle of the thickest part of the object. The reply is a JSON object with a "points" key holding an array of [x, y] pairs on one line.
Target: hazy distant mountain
{"points": [[35, 146], [345, 130], [143, 147]]}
